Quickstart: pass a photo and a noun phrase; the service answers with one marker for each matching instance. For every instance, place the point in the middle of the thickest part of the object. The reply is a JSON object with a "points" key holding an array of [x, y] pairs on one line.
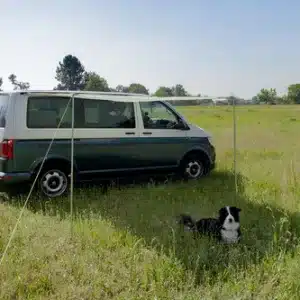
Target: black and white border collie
{"points": [[226, 228]]}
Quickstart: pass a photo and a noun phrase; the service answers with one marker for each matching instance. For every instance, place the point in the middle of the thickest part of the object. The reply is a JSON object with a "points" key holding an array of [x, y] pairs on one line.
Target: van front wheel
{"points": [[53, 183], [192, 167]]}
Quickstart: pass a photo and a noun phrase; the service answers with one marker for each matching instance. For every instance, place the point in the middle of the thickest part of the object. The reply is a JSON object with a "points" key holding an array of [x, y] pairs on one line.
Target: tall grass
{"points": [[126, 245]]}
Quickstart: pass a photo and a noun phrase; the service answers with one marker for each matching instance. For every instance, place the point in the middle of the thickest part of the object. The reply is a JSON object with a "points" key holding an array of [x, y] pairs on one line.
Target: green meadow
{"points": [[125, 244]]}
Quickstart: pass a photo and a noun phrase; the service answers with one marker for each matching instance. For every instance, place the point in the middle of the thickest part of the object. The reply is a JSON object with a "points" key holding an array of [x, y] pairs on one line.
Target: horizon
{"points": [[248, 46]]}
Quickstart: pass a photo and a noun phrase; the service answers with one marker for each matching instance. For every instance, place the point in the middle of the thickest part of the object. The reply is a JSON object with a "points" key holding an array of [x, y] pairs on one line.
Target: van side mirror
{"points": [[181, 126]]}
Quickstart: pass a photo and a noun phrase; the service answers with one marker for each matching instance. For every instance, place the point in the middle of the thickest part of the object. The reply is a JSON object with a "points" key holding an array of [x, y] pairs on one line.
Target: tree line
{"points": [[72, 75], [269, 96]]}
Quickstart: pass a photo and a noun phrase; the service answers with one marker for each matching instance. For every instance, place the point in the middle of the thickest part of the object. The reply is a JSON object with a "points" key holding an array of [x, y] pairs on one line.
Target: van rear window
{"points": [[3, 109]]}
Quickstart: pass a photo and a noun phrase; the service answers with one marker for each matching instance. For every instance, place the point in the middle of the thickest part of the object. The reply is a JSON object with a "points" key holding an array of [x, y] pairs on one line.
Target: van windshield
{"points": [[3, 109]]}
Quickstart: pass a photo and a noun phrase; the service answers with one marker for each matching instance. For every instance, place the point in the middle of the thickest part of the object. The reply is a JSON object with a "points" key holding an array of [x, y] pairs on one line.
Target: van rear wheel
{"points": [[53, 183]]}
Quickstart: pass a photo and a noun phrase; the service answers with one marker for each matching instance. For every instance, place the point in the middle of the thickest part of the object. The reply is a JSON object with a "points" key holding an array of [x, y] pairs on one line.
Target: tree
{"points": [[282, 100], [255, 100], [294, 93], [59, 87], [137, 88], [268, 96], [163, 91], [70, 74], [179, 91], [122, 89], [285, 99], [18, 85], [93, 82], [1, 82]]}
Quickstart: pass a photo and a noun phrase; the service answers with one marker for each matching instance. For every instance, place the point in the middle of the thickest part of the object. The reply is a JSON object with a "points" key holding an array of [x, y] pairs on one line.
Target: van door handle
{"points": [[129, 133], [147, 132]]}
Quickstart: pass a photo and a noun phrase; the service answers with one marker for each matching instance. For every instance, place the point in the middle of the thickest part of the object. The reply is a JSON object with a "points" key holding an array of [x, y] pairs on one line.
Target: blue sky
{"points": [[215, 47]]}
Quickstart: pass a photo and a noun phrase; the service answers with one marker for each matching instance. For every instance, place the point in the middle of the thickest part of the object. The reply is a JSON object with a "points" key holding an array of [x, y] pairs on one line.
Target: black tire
{"points": [[193, 167], [53, 182]]}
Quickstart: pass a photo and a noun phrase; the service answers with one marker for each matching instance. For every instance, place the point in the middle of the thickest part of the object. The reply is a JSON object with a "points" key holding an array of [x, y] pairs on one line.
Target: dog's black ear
{"points": [[237, 209], [221, 211]]}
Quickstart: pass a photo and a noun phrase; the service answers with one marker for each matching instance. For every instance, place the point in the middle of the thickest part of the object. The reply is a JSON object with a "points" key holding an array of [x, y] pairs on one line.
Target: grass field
{"points": [[125, 244]]}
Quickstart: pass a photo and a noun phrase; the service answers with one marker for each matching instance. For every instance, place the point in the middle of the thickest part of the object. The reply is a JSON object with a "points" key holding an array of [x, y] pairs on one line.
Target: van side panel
{"points": [[118, 153], [29, 152], [90, 155]]}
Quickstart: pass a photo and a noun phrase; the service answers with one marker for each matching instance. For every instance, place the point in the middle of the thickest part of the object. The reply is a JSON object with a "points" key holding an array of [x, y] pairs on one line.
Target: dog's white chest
{"points": [[230, 236]]}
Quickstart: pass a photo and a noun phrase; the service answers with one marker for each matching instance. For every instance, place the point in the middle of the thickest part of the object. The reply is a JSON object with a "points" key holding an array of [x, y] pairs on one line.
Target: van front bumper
{"points": [[13, 178], [212, 153]]}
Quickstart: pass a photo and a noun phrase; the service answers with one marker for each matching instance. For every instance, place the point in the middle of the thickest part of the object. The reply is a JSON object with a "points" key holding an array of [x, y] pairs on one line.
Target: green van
{"points": [[114, 135]]}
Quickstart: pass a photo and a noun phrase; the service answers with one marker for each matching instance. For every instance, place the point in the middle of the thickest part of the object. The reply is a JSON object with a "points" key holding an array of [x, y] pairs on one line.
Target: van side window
{"points": [[156, 115], [46, 112], [108, 114]]}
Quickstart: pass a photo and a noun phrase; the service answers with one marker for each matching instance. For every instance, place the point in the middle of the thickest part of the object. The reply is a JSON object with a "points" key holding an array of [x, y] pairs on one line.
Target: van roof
{"points": [[110, 96], [68, 92]]}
